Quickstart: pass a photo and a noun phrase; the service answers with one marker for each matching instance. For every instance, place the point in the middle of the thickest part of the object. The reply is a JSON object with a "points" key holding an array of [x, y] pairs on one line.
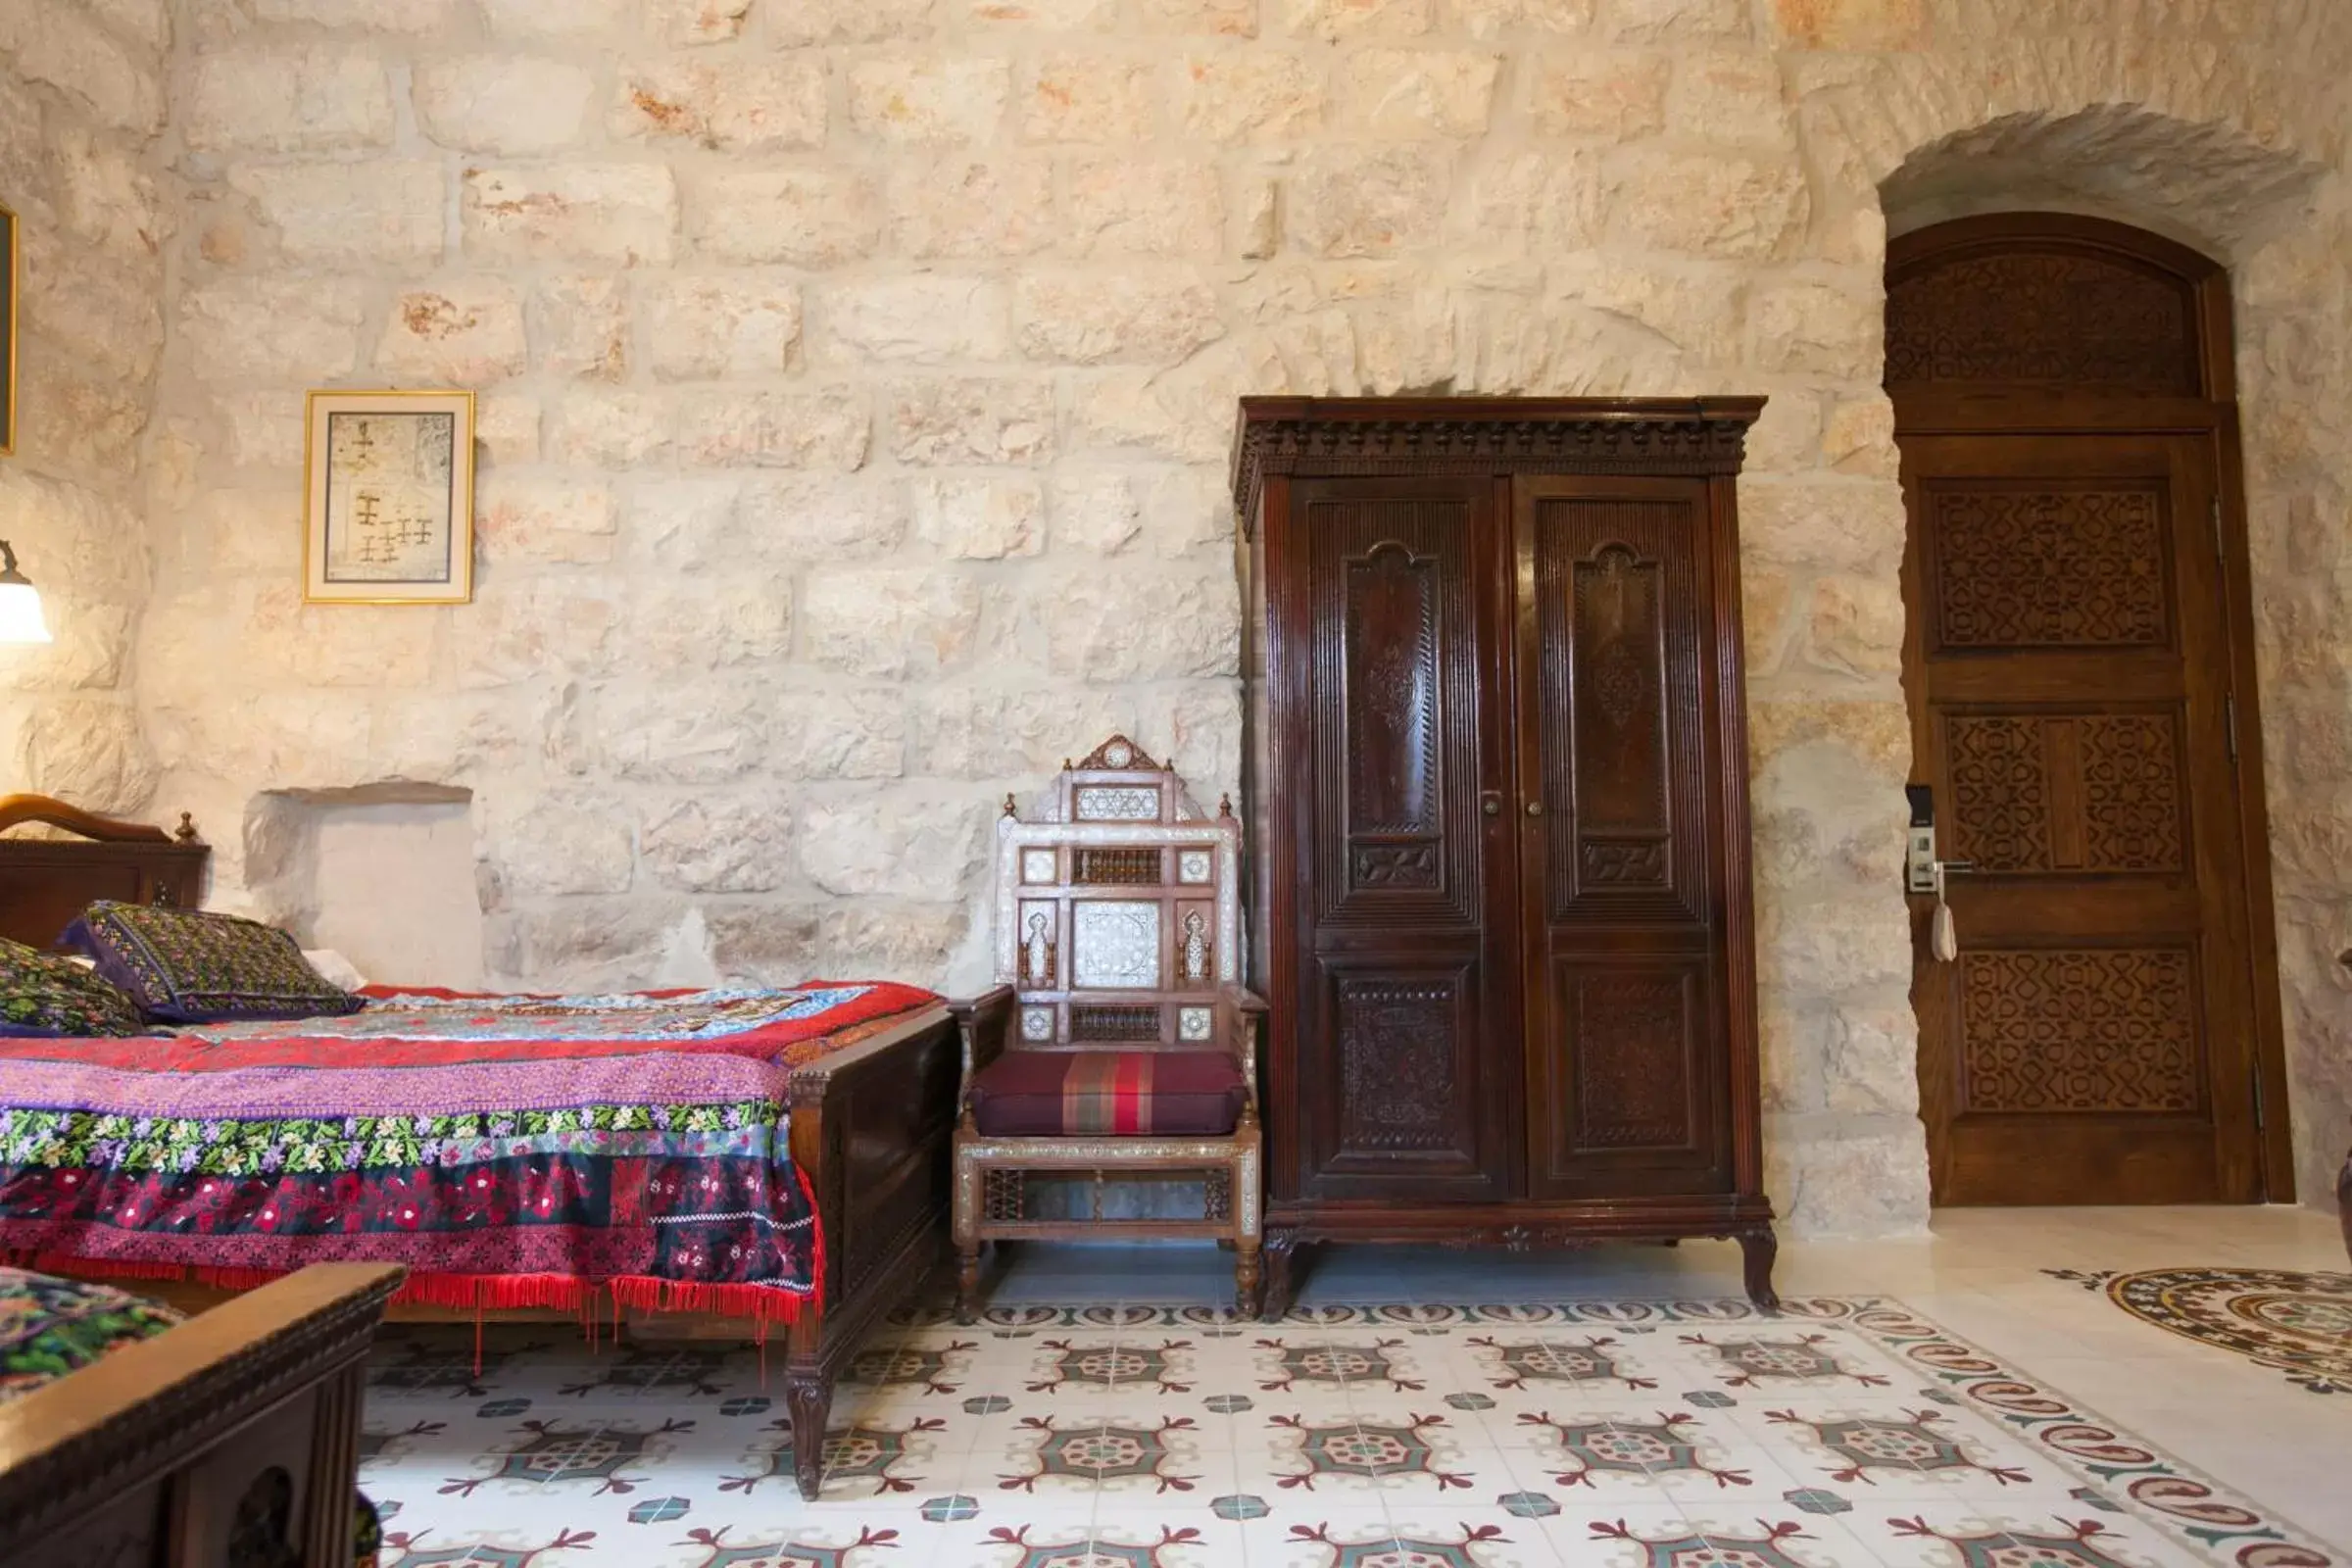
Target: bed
{"points": [[621, 1181]]}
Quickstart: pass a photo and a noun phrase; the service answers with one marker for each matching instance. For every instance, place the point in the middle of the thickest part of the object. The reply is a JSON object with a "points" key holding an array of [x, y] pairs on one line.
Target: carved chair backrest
{"points": [[1118, 911]]}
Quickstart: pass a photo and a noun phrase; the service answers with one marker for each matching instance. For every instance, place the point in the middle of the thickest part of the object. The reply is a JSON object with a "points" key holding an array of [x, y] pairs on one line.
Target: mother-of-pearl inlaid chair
{"points": [[1125, 1101]]}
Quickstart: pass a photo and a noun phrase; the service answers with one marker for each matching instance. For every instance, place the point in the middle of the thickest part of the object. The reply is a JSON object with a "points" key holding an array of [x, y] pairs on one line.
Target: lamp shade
{"points": [[19, 604]]}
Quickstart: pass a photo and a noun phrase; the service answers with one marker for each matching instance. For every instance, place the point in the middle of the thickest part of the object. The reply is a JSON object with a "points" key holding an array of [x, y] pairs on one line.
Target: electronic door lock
{"points": [[1923, 873], [1919, 844], [1919, 862]]}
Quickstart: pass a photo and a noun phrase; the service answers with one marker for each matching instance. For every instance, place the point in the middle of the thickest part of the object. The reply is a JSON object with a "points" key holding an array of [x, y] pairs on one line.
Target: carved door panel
{"points": [[2092, 1043], [1625, 1084], [1407, 1030]]}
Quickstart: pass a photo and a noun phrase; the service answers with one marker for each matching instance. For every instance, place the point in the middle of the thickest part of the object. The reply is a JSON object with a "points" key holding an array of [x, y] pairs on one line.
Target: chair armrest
{"points": [[985, 1024], [1248, 1032]]}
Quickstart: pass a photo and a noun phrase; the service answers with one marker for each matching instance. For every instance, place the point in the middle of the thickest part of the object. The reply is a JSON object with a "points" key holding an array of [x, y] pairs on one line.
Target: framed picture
{"points": [[8, 331], [390, 519]]}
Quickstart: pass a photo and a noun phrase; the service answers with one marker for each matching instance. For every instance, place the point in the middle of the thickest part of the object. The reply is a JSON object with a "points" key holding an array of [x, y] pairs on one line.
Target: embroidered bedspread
{"points": [[512, 1150]]}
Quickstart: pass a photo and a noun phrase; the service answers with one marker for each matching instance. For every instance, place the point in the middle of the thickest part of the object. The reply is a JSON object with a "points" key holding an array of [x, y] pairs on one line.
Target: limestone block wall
{"points": [[2294, 333], [82, 101], [857, 377]]}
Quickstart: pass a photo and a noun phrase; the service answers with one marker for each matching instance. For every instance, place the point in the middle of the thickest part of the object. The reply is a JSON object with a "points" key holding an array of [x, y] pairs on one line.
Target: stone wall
{"points": [[857, 377], [81, 100], [2295, 377]]}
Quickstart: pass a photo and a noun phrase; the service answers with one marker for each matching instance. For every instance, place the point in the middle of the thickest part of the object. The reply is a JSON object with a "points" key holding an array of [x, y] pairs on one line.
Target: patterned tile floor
{"points": [[1638, 1420]]}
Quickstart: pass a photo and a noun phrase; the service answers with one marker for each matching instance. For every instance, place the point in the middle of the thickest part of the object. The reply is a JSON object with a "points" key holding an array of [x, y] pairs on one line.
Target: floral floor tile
{"points": [[1841, 1433], [1281, 1541], [1460, 1538], [1599, 1536], [1199, 1540]]}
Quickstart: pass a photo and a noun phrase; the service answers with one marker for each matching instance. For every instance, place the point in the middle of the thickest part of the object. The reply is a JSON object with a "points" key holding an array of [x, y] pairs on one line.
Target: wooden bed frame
{"points": [[870, 1125], [237, 1429]]}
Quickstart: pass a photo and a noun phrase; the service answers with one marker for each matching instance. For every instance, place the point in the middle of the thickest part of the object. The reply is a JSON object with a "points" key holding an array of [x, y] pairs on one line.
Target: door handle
{"points": [[1943, 933]]}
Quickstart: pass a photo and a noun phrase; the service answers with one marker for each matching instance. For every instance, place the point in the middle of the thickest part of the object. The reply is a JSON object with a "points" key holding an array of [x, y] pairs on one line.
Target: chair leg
{"points": [[968, 1280], [971, 1177]]}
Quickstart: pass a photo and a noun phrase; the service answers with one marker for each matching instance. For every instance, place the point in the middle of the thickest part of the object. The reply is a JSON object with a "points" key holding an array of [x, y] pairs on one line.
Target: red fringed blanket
{"points": [[512, 1150]]}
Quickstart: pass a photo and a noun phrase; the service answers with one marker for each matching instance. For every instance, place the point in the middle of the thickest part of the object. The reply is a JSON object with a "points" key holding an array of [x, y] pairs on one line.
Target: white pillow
{"points": [[335, 969]]}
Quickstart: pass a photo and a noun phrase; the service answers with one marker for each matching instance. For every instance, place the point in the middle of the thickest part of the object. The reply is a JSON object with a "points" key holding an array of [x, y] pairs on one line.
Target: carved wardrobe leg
{"points": [[1279, 1247], [1757, 1249], [808, 1395]]}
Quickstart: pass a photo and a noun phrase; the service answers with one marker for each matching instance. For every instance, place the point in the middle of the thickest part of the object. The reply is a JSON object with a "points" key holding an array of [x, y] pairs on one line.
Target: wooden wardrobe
{"points": [[1497, 786]]}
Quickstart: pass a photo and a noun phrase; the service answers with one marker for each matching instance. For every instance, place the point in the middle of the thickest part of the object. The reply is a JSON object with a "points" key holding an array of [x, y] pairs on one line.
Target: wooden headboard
{"points": [[45, 882]]}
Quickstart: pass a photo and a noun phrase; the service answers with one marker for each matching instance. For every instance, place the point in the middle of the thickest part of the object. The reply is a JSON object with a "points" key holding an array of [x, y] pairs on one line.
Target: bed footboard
{"points": [[871, 1128], [246, 1418]]}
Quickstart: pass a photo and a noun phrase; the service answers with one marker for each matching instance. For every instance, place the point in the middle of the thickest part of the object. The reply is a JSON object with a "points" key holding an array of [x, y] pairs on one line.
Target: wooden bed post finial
{"points": [[1008, 807], [186, 832]]}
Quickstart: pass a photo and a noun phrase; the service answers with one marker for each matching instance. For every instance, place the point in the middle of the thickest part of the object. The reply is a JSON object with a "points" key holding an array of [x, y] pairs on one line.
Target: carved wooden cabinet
{"points": [[1498, 811]]}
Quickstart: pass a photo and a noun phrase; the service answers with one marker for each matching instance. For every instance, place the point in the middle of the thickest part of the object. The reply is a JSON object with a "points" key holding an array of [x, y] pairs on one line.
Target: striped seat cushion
{"points": [[1042, 1093]]}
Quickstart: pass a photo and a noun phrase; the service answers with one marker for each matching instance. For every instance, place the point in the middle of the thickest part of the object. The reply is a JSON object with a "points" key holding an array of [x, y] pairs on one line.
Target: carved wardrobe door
{"points": [[1628, 1091], [1409, 1003]]}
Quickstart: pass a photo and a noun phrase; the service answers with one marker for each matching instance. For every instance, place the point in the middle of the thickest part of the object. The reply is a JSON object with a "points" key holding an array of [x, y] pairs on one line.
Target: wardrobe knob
{"points": [[1495, 808], [1535, 807]]}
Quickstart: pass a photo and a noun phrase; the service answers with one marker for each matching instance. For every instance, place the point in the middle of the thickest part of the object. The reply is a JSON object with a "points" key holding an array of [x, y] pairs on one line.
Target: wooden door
{"points": [[2092, 1043], [2080, 680], [1628, 1080], [1408, 1026]]}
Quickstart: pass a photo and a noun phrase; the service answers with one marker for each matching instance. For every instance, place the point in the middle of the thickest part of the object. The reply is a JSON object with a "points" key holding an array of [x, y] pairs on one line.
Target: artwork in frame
{"points": [[8, 331], [390, 512]]}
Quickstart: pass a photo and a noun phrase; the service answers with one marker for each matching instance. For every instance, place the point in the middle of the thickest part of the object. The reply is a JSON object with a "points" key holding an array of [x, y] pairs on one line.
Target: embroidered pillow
{"points": [[41, 996], [186, 967], [50, 1327]]}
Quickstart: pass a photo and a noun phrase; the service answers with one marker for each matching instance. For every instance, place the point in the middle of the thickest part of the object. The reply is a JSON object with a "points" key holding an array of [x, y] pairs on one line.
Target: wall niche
{"points": [[382, 874]]}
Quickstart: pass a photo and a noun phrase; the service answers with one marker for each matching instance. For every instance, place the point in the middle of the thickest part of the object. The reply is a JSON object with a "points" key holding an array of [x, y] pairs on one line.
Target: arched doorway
{"points": [[2079, 673]]}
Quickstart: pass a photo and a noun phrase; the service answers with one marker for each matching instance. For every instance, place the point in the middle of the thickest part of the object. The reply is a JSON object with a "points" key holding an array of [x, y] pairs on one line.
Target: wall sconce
{"points": [[19, 604]]}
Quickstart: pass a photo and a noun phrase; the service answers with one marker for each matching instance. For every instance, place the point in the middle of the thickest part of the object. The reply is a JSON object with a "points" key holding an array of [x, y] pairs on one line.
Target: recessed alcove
{"points": [[382, 874]]}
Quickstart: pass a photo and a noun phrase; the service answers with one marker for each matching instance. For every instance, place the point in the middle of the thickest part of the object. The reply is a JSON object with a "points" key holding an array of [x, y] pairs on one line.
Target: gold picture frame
{"points": [[388, 498], [8, 331]]}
